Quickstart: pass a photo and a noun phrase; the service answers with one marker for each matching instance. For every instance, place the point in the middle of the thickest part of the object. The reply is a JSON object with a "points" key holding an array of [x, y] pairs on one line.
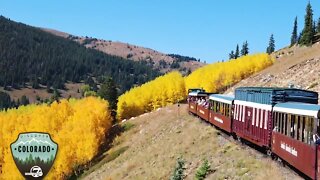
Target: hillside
{"points": [[161, 61], [297, 66], [148, 149], [33, 59]]}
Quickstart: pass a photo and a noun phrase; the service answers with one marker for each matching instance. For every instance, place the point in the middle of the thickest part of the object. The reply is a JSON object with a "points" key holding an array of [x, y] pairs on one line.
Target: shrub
{"points": [[178, 170], [203, 171]]}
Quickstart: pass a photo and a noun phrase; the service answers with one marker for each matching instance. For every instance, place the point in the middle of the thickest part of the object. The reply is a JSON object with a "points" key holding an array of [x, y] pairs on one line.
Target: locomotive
{"points": [[282, 121]]}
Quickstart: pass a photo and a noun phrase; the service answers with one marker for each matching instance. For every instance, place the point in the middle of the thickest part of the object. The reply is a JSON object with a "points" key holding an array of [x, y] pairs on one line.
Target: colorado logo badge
{"points": [[34, 154]]}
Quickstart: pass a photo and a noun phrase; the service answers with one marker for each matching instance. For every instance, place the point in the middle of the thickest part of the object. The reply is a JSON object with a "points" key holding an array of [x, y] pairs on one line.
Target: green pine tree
{"points": [[203, 171], [245, 49], [308, 30], [108, 91], [271, 47], [24, 100], [318, 26], [178, 171], [294, 35], [314, 29], [231, 55], [237, 53]]}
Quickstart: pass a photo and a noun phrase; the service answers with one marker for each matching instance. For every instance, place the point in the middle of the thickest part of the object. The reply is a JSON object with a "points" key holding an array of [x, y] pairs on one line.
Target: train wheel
{"points": [[234, 136], [281, 162], [239, 140], [270, 154]]}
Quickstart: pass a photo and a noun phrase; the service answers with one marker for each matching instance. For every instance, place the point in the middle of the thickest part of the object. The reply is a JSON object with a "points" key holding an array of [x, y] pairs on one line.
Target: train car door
{"points": [[248, 119]]}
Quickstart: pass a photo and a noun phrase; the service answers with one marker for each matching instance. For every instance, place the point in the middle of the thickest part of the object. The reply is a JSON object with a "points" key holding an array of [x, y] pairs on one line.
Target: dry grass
{"points": [[157, 139]]}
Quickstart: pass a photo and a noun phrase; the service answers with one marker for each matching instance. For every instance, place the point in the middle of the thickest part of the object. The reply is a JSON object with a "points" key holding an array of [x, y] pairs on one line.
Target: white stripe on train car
{"points": [[235, 112], [265, 119], [243, 113], [261, 118], [240, 115], [218, 120], [253, 116], [254, 105], [257, 118]]}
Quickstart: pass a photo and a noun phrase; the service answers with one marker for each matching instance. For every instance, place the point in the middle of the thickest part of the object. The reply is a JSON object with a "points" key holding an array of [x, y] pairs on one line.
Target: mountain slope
{"points": [[30, 56], [161, 61], [149, 149], [295, 66]]}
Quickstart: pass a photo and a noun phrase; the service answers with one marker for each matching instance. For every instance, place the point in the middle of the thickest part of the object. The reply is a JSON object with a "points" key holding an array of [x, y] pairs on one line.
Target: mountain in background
{"points": [[33, 62], [37, 64], [29, 55], [159, 61]]}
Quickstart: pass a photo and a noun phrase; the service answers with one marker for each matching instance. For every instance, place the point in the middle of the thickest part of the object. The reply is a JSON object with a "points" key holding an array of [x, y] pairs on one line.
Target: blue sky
{"points": [[206, 29]]}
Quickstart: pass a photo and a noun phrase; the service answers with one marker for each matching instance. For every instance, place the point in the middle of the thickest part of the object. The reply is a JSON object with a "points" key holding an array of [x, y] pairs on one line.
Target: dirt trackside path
{"points": [[153, 142]]}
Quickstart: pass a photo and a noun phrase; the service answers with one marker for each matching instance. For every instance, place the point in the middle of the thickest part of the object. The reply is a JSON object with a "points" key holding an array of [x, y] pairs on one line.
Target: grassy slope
{"points": [[149, 150]]}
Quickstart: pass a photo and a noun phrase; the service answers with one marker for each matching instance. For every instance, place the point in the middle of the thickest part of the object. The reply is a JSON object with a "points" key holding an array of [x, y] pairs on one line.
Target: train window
{"points": [[279, 122], [296, 127], [282, 123], [275, 123], [309, 127], [285, 119], [222, 108], [227, 110], [218, 107], [303, 129], [299, 120], [290, 124]]}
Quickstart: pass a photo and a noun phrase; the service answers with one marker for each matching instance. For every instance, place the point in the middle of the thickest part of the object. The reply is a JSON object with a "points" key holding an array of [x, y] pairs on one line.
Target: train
{"points": [[283, 122]]}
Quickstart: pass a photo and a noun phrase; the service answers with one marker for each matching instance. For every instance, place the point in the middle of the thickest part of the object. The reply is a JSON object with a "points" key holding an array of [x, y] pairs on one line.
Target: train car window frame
{"points": [[285, 119], [299, 136], [276, 122]]}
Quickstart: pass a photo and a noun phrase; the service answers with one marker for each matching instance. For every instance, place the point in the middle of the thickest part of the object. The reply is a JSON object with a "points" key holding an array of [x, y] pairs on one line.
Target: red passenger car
{"points": [[220, 113], [296, 128], [193, 98], [252, 122]]}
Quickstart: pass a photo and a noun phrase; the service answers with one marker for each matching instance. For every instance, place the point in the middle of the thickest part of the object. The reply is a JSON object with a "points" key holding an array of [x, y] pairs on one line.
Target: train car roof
{"points": [[298, 108], [222, 98], [196, 93], [273, 95], [272, 89]]}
